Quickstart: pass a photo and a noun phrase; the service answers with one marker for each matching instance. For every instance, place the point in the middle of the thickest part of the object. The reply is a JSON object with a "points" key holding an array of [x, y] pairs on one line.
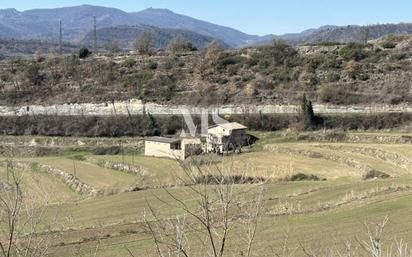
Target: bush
{"points": [[278, 53], [234, 179], [138, 79], [353, 51], [324, 43], [398, 56], [363, 77], [84, 53], [281, 76], [152, 65], [353, 68], [375, 174], [339, 95], [179, 44], [332, 77], [129, 63], [389, 45], [304, 177], [33, 74]]}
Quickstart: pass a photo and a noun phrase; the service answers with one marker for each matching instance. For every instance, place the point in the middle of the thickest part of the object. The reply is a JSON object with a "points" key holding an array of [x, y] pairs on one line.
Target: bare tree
{"points": [[179, 44], [211, 54], [365, 33], [20, 222], [113, 47], [220, 207], [144, 43], [375, 235], [209, 61]]}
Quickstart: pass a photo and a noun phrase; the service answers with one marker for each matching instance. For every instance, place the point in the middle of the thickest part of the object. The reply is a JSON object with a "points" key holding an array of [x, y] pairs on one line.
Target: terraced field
{"points": [[41, 187], [93, 175], [315, 215], [393, 160], [157, 171]]}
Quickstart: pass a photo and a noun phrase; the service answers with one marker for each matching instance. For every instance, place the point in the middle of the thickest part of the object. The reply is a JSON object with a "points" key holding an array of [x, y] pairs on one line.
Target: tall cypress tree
{"points": [[308, 115]]}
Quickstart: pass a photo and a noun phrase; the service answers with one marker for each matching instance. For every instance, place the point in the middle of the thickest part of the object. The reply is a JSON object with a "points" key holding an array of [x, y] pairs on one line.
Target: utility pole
{"points": [[60, 38], [94, 35]]}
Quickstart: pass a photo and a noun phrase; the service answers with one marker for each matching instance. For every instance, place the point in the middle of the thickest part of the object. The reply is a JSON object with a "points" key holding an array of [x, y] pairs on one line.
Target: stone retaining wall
{"points": [[136, 107], [363, 168], [393, 158], [67, 178], [132, 169]]}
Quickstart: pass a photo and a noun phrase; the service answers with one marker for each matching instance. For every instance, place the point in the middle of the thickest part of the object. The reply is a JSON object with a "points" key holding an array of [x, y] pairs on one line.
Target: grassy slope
{"points": [[92, 174], [161, 171], [42, 187], [316, 213], [318, 227]]}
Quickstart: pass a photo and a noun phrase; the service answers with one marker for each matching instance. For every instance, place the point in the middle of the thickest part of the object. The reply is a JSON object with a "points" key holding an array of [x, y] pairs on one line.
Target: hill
{"points": [[15, 47], [345, 34], [355, 33], [341, 74], [77, 23], [126, 35]]}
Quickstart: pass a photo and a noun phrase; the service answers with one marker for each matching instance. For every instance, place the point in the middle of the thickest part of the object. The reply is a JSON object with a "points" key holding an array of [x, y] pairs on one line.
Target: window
{"points": [[176, 146]]}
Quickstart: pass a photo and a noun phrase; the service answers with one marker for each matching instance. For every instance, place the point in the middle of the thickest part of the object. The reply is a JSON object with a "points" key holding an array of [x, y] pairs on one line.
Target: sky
{"points": [[257, 16]]}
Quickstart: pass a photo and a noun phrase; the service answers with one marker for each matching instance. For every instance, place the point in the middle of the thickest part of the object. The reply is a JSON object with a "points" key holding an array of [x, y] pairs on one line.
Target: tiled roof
{"points": [[166, 140], [230, 126]]}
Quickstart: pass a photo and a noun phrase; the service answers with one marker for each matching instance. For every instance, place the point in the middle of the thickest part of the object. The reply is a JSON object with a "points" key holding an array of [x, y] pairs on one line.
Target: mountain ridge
{"points": [[43, 24], [77, 22]]}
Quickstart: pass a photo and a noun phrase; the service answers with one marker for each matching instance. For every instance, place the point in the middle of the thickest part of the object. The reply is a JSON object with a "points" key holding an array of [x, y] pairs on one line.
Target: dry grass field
{"points": [[314, 215]]}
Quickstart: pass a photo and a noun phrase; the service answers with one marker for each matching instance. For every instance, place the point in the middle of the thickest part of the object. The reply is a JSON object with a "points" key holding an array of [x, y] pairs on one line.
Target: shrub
{"points": [[398, 56], [152, 65], [136, 80], [277, 54], [332, 77], [281, 76], [33, 74], [129, 63], [353, 68], [304, 177], [363, 77], [234, 179], [231, 60], [389, 45], [374, 174], [84, 53], [340, 95], [331, 61], [308, 78], [179, 44], [324, 43], [353, 51]]}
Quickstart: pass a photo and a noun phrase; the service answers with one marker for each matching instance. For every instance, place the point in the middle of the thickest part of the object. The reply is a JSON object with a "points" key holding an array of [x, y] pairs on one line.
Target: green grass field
{"points": [[316, 215], [92, 174], [161, 171]]}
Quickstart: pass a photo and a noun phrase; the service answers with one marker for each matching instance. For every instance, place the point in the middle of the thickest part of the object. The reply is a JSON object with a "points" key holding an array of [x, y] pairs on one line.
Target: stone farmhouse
{"points": [[226, 137], [221, 138]]}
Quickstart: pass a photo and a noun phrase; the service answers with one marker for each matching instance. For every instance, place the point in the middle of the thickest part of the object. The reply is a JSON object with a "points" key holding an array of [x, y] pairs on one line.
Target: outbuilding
{"points": [[174, 148]]}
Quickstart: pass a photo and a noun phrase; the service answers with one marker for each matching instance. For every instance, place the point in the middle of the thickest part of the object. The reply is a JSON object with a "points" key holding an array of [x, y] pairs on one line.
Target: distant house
{"points": [[226, 137], [174, 148]]}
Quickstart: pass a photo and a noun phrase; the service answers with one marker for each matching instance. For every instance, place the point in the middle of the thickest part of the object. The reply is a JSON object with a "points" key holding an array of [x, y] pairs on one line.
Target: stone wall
{"points": [[136, 107]]}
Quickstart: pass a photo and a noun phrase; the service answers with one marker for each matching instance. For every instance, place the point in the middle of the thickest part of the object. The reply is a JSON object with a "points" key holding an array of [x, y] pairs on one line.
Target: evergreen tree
{"points": [[151, 127], [308, 115]]}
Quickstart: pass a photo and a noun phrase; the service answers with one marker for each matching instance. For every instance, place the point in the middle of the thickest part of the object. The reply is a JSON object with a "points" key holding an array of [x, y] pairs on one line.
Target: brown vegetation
{"points": [[273, 74]]}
